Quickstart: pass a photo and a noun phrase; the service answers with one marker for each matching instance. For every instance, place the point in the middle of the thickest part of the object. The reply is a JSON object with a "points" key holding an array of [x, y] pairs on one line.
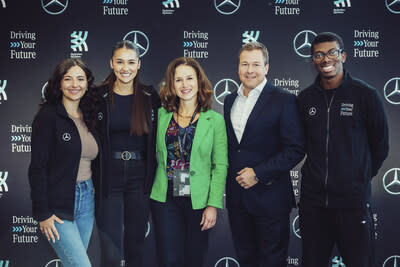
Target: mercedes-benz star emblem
{"points": [[223, 88], [296, 227], [391, 181], [140, 39], [393, 6], [227, 7], [392, 91], [227, 262], [302, 43], [66, 137], [54, 7], [312, 111], [392, 261], [54, 263]]}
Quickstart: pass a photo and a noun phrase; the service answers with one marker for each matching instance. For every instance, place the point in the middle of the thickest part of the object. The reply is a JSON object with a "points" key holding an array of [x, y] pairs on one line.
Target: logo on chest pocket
{"points": [[66, 137]]}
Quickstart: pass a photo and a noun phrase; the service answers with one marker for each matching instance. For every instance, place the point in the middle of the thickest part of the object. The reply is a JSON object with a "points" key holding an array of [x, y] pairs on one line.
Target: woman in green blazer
{"points": [[192, 165]]}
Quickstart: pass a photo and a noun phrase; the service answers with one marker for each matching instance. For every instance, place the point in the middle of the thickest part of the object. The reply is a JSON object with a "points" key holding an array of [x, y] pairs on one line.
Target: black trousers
{"points": [[259, 240], [350, 229], [124, 215], [179, 239]]}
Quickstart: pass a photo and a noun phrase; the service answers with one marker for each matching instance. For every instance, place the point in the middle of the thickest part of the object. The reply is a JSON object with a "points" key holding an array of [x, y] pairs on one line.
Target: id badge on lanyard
{"points": [[181, 183], [181, 177]]}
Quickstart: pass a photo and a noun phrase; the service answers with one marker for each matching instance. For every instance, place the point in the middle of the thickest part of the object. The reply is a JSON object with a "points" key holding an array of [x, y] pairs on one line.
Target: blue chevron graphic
{"points": [[4, 263], [358, 43], [279, 1], [14, 44], [17, 229], [107, 1], [187, 44], [16, 138]]}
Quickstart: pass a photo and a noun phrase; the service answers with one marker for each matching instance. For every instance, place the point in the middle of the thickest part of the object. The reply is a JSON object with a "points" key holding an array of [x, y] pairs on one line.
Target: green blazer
{"points": [[208, 160]]}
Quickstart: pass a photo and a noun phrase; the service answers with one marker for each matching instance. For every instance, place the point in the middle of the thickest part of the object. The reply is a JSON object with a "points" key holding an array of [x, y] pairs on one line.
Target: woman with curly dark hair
{"points": [[192, 166], [129, 132], [64, 162]]}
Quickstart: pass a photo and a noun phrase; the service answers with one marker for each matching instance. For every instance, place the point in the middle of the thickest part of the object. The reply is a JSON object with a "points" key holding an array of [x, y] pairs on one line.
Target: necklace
{"points": [[183, 116]]}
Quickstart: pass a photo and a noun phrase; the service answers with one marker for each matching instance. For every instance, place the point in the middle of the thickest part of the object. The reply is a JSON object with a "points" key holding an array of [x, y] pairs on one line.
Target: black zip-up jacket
{"points": [[346, 143], [56, 153], [150, 152]]}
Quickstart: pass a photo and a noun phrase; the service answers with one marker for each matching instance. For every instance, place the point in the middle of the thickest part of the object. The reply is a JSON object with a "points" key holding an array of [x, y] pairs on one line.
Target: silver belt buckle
{"points": [[126, 155]]}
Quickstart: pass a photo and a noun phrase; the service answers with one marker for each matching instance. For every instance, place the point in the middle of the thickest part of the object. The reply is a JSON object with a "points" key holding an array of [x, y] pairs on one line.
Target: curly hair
{"points": [[53, 94], [140, 118], [168, 96]]}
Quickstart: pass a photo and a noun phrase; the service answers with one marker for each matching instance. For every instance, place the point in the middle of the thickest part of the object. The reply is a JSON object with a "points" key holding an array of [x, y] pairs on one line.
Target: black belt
{"points": [[128, 155]]}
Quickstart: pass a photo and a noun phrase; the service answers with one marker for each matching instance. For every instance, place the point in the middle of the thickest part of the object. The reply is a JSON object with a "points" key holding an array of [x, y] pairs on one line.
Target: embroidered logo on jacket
{"points": [[66, 137], [346, 109], [312, 111]]}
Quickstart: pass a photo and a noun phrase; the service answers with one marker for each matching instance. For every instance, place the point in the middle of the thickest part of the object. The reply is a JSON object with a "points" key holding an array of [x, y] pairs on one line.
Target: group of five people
{"points": [[119, 150]]}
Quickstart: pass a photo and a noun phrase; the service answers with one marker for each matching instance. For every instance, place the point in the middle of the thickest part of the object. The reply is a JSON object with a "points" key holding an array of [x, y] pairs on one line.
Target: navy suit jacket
{"points": [[272, 144]]}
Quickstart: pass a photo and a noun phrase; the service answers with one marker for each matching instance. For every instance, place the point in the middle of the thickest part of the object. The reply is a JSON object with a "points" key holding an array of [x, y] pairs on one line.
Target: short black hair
{"points": [[327, 37]]}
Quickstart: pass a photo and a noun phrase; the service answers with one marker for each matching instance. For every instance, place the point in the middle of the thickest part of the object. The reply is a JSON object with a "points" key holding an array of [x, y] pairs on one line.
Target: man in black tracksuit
{"points": [[347, 142]]}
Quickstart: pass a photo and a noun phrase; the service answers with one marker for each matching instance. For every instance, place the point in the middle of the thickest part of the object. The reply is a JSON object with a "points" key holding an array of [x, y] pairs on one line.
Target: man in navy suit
{"points": [[265, 141]]}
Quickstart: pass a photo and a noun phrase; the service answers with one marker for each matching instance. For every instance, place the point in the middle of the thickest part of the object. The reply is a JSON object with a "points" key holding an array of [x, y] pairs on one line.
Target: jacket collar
{"points": [[203, 125], [258, 108], [346, 80], [61, 110]]}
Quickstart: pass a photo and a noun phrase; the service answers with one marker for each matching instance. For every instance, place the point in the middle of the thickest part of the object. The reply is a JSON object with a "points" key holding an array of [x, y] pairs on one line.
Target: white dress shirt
{"points": [[242, 108]]}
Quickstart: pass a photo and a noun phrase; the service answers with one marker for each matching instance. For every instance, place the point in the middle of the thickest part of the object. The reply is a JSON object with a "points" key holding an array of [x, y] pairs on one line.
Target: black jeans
{"points": [[179, 239], [124, 215], [351, 229]]}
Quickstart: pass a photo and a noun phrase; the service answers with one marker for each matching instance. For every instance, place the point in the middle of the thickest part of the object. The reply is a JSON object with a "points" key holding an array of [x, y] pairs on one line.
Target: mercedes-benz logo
{"points": [[66, 137], [140, 39], [147, 230], [391, 91], [392, 261], [302, 43], [296, 227], [393, 6], [54, 7], [227, 262], [44, 90], [54, 263], [223, 88], [312, 111], [391, 181], [227, 7]]}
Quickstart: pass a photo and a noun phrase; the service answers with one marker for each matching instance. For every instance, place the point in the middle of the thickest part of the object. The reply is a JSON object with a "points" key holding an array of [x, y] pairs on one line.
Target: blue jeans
{"points": [[75, 235]]}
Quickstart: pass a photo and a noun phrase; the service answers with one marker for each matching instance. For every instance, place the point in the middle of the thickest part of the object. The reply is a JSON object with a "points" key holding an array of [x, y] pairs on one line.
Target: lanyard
{"points": [[183, 141]]}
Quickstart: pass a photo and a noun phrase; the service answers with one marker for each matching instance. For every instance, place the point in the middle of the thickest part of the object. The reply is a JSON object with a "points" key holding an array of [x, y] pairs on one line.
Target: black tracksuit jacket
{"points": [[56, 153], [346, 143]]}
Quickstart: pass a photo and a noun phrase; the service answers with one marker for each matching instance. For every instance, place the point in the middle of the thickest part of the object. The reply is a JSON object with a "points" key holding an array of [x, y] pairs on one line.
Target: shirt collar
{"points": [[257, 90]]}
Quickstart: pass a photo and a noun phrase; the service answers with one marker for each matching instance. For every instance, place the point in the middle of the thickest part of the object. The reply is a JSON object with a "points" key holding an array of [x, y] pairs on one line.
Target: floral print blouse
{"points": [[174, 159]]}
